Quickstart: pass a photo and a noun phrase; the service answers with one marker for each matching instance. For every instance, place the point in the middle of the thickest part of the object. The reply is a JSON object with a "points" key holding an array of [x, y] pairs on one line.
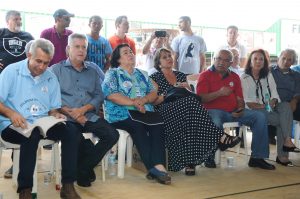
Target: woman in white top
{"points": [[260, 93]]}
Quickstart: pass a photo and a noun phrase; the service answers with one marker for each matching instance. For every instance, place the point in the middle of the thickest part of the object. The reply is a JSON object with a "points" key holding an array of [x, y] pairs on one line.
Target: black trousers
{"points": [[89, 155], [149, 140], [28, 150]]}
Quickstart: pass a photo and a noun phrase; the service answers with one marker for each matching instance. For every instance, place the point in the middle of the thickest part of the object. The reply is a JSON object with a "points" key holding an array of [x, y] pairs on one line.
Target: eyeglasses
{"points": [[219, 59]]}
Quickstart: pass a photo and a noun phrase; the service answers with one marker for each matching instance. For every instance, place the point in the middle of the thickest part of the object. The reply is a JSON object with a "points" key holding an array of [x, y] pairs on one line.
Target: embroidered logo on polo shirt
{"points": [[44, 89]]}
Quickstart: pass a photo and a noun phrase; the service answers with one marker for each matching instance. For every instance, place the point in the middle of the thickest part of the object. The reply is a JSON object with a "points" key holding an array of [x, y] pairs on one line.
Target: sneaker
{"points": [[8, 173]]}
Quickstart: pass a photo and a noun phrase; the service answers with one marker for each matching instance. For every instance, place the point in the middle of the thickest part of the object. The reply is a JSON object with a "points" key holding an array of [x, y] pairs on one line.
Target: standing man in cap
{"points": [[58, 34]]}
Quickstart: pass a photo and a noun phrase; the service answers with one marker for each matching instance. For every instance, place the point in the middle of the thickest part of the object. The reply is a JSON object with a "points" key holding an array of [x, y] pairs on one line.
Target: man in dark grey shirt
{"points": [[288, 81], [81, 99]]}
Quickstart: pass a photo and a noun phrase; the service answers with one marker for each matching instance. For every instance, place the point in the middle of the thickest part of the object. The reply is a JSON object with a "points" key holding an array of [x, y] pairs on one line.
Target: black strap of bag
{"points": [[148, 118], [175, 93]]}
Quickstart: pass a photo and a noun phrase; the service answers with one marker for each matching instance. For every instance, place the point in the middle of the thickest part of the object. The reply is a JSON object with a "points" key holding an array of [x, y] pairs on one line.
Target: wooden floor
{"points": [[223, 182]]}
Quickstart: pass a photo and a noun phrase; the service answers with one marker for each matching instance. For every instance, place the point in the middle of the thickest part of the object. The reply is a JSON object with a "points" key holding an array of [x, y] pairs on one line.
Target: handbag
{"points": [[175, 93], [149, 118]]}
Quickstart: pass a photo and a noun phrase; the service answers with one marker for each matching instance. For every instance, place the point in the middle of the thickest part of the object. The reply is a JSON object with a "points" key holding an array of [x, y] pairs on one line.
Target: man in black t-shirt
{"points": [[13, 40]]}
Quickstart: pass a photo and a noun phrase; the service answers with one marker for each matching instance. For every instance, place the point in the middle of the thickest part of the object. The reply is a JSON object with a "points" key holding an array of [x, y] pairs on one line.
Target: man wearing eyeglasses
{"points": [[221, 94], [58, 34]]}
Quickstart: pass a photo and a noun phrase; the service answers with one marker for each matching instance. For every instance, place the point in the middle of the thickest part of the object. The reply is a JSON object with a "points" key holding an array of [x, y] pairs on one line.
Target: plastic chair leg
{"points": [[121, 153]]}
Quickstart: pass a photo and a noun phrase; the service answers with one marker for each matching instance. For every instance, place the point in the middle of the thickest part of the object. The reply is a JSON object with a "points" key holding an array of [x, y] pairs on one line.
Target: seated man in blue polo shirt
{"points": [[221, 94], [288, 81], [81, 99], [29, 92]]}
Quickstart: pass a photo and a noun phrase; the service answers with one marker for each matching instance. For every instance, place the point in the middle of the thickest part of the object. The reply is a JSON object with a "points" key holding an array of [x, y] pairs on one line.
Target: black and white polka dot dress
{"points": [[190, 135]]}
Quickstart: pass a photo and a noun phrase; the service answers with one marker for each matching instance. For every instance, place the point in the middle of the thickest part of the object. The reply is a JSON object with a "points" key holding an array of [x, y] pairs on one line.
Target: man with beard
{"points": [[13, 40]]}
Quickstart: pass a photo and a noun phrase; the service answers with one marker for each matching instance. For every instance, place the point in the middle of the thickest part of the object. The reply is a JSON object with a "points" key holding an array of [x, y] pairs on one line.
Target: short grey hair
{"points": [[45, 45], [11, 13], [226, 51], [76, 36], [28, 45], [292, 52]]}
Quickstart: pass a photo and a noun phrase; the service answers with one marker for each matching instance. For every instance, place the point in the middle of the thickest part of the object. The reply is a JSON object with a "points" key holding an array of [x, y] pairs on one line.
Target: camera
{"points": [[160, 33]]}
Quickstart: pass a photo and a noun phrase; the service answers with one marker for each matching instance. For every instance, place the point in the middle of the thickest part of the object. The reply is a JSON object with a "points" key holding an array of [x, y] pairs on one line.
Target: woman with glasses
{"points": [[260, 93]]}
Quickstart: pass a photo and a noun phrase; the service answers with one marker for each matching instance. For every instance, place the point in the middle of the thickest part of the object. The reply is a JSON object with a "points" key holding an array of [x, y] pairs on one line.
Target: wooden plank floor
{"points": [[240, 182]]}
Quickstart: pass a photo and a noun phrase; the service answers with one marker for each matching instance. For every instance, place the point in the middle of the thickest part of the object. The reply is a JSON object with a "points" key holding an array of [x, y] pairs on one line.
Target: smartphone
{"points": [[160, 33]]}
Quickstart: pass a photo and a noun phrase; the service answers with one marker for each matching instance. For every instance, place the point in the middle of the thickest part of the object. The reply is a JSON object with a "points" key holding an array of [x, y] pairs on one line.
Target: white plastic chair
{"points": [[296, 133], [94, 139], [55, 161], [125, 145], [227, 126]]}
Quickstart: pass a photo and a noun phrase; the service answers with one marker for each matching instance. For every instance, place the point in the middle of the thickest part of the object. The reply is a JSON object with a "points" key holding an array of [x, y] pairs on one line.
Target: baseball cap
{"points": [[62, 13]]}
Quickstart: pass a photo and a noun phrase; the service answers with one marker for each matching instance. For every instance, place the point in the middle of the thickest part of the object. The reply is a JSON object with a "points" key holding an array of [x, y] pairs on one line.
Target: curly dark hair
{"points": [[157, 57], [115, 56], [265, 70]]}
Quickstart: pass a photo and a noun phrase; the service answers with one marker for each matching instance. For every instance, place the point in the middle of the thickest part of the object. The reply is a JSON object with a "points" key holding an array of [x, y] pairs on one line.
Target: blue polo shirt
{"points": [[79, 88], [288, 84], [32, 97]]}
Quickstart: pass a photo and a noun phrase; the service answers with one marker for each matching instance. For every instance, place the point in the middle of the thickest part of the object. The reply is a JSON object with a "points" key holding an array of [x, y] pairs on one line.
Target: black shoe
{"points": [[83, 179], [84, 182], [190, 170], [229, 142], [210, 163], [159, 176], [290, 149], [261, 163], [92, 176], [287, 164]]}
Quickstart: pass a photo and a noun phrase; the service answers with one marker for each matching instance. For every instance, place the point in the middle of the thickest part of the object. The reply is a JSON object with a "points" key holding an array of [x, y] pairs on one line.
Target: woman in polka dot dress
{"points": [[190, 136]]}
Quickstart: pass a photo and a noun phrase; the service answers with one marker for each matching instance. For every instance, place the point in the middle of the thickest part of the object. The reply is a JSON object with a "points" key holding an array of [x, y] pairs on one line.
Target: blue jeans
{"points": [[257, 122]]}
